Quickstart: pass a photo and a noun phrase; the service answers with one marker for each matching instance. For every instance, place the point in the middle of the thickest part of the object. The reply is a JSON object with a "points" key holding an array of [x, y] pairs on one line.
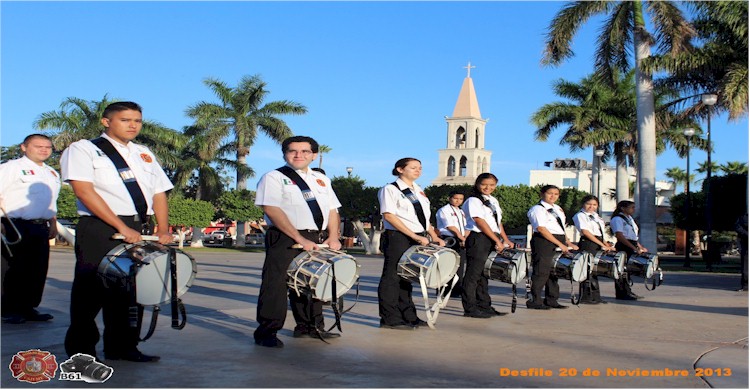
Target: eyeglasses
{"points": [[302, 152]]}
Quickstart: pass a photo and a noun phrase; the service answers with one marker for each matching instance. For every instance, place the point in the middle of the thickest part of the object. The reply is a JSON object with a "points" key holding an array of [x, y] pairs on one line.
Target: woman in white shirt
{"points": [[483, 220], [626, 231], [406, 215], [591, 227]]}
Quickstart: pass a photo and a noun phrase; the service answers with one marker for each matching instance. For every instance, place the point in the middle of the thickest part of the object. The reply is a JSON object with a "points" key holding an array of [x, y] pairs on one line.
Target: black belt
{"points": [[38, 221]]}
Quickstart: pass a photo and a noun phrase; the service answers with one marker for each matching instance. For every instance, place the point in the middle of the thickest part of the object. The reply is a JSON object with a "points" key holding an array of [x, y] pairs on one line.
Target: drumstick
{"points": [[118, 236], [299, 246]]}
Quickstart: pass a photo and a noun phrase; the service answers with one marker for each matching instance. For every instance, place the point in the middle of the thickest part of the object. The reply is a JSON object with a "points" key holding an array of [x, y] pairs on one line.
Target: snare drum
{"points": [[438, 265], [644, 265], [149, 263], [312, 271], [573, 266], [609, 264], [508, 266]]}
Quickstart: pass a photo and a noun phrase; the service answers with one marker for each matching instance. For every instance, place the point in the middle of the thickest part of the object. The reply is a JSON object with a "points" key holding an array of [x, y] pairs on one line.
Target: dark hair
{"points": [[482, 176], [454, 192], [402, 163], [120, 106], [587, 198], [300, 138], [32, 136], [621, 205], [548, 187]]}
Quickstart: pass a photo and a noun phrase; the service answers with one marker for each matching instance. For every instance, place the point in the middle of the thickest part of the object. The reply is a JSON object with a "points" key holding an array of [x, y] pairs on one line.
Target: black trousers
{"points": [[394, 293], [476, 294], [622, 285], [89, 296], [589, 289], [272, 299], [24, 280], [542, 261]]}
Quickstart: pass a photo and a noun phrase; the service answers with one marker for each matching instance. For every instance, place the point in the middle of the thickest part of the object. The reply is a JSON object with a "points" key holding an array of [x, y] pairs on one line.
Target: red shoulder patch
{"points": [[321, 182], [146, 158]]}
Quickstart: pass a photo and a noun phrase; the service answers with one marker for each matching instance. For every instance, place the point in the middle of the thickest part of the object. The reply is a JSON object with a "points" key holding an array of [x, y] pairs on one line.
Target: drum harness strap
{"points": [[141, 206], [432, 313], [415, 202]]}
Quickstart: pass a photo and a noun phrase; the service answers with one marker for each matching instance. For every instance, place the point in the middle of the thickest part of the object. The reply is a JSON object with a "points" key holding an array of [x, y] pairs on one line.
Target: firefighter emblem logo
{"points": [[33, 366]]}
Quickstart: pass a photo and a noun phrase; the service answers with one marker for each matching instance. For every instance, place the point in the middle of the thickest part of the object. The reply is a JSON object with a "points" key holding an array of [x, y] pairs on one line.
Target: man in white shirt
{"points": [[106, 207], [29, 189]]}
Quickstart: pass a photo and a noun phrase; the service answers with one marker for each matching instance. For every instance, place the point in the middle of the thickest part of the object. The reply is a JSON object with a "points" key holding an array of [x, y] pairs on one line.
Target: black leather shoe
{"points": [[418, 323], [536, 306], [398, 326], [270, 342], [590, 302], [557, 306], [477, 314], [300, 332], [603, 302], [134, 356], [636, 296], [14, 319], [34, 315], [627, 298], [491, 311]]}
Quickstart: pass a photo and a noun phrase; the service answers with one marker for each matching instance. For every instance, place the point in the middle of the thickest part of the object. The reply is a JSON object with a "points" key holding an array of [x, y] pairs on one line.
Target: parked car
{"points": [[253, 239], [218, 237]]}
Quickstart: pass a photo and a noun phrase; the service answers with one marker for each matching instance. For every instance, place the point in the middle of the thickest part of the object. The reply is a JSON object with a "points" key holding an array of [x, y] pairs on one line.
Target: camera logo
{"points": [[33, 366], [83, 367]]}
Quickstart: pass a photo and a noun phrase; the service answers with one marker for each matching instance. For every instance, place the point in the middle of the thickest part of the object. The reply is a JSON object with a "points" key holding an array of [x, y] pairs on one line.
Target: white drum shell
{"points": [[437, 264], [508, 266], [311, 271], [572, 266], [153, 278]]}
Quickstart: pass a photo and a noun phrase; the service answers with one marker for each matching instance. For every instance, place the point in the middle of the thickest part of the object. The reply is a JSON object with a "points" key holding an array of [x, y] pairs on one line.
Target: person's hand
{"points": [[510, 244], [131, 236], [440, 242], [308, 245], [423, 240], [164, 238], [608, 247], [499, 246], [52, 230], [564, 248], [333, 243], [573, 246]]}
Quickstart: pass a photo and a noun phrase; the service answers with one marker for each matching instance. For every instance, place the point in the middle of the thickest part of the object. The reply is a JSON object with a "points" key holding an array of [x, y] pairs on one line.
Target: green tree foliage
{"points": [[238, 205], [66, 204], [730, 193], [357, 201], [190, 212]]}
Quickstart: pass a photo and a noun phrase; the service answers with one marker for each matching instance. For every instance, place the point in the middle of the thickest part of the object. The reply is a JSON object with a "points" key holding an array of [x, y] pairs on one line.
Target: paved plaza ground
{"points": [[695, 323]]}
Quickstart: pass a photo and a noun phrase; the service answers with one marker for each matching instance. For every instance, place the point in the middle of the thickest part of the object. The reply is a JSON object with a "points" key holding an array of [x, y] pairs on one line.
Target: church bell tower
{"points": [[464, 157]]}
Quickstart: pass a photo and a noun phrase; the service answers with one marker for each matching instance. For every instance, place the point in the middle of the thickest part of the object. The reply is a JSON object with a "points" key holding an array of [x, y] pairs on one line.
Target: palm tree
{"points": [[81, 119], [240, 114], [199, 159], [321, 150], [626, 26], [718, 66], [603, 116], [679, 176], [734, 168]]}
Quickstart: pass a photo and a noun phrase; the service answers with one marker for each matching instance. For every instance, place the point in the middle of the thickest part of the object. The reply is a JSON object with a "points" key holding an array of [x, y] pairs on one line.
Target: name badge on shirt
{"points": [[308, 195], [126, 175]]}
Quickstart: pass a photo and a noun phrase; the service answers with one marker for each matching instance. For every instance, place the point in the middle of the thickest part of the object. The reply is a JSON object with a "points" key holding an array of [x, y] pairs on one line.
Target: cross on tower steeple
{"points": [[468, 69]]}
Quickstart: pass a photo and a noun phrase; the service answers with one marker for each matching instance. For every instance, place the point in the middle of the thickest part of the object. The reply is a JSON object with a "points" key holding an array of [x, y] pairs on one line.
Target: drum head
{"points": [[347, 273], [443, 268], [579, 271], [154, 281]]}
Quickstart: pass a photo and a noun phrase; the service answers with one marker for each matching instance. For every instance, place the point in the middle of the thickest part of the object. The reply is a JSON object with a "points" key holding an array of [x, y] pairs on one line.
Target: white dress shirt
{"points": [[393, 201], [589, 221], [474, 207], [449, 215], [29, 190], [278, 190], [543, 214], [625, 224], [83, 161]]}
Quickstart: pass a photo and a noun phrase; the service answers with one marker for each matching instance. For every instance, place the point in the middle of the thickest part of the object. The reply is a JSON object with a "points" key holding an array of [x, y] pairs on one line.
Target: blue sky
{"points": [[377, 77]]}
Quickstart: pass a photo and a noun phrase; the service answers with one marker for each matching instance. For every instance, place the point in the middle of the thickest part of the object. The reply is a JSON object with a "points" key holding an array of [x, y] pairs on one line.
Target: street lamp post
{"points": [[688, 134], [709, 100], [349, 171], [599, 153]]}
